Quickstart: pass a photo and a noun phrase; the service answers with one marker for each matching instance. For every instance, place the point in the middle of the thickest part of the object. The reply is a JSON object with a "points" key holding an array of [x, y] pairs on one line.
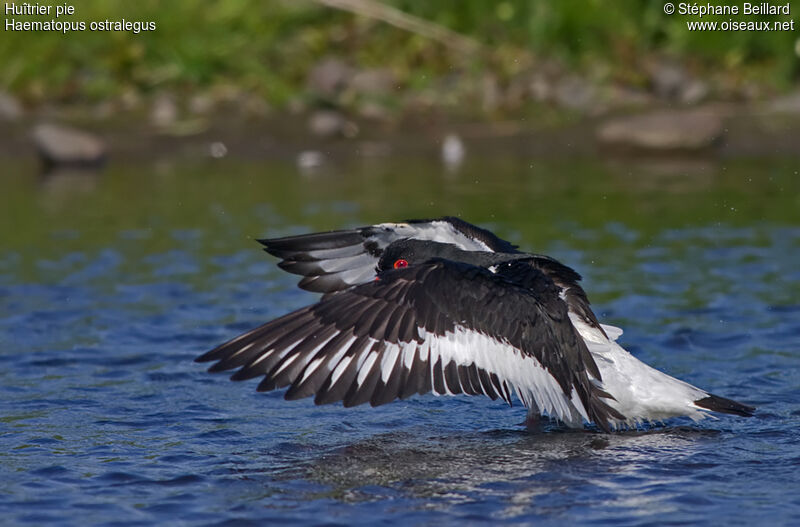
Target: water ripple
{"points": [[105, 418]]}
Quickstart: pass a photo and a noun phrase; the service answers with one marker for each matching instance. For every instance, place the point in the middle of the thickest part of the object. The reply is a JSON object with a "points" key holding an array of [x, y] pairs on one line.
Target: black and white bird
{"points": [[446, 307]]}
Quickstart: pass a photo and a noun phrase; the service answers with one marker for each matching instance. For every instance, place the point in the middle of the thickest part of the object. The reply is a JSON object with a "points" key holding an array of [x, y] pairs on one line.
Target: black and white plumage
{"points": [[336, 260], [443, 306], [333, 261]]}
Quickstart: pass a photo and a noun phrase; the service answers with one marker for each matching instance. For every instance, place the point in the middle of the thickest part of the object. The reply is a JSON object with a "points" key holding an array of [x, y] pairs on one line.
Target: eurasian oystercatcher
{"points": [[446, 307]]}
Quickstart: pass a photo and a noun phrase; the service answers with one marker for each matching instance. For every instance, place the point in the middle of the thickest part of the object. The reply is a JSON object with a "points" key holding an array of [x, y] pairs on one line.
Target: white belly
{"points": [[642, 393]]}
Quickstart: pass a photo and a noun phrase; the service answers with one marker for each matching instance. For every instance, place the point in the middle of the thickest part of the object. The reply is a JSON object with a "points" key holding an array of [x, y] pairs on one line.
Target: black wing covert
{"points": [[567, 279]]}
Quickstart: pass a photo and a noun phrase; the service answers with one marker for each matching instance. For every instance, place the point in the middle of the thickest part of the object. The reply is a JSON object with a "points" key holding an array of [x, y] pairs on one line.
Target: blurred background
{"points": [[256, 95], [137, 168]]}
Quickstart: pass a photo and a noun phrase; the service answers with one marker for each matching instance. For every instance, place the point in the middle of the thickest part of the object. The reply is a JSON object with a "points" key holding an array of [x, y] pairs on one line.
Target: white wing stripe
{"points": [[340, 368], [341, 252], [364, 369], [288, 362], [533, 383], [408, 356], [311, 368], [388, 361], [358, 261], [269, 353], [357, 275]]}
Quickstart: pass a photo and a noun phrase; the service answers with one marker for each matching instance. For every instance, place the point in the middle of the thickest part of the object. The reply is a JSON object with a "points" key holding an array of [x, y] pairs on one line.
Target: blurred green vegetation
{"points": [[267, 47]]}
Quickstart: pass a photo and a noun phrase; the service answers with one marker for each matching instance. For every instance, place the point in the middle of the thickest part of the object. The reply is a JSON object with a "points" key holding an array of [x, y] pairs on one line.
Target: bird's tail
{"points": [[725, 406]]}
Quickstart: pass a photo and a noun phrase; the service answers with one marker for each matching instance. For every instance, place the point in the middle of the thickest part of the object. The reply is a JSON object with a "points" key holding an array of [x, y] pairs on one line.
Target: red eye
{"points": [[400, 263]]}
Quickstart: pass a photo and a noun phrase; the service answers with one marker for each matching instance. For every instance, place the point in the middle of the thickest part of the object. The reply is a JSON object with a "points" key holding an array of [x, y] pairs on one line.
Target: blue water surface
{"points": [[106, 419]]}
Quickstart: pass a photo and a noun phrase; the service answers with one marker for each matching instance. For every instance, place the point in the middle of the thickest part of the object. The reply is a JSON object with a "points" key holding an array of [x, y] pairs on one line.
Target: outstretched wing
{"points": [[444, 327], [336, 260]]}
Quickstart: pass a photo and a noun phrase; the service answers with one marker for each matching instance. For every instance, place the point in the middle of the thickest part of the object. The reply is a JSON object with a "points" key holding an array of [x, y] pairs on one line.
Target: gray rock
{"points": [[328, 78], [373, 82], [373, 111], [694, 92], [254, 106], [326, 123], [789, 104], [330, 123], [164, 112], [10, 108], [350, 130], [664, 130], [201, 104], [62, 145], [671, 81], [668, 79], [575, 93], [540, 88]]}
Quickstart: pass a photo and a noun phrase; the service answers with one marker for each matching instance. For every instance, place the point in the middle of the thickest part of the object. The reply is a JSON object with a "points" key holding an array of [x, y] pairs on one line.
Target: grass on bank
{"points": [[267, 47]]}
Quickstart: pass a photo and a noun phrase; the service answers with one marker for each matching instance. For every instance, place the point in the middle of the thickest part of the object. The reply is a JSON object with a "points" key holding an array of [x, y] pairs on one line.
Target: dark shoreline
{"points": [[744, 130]]}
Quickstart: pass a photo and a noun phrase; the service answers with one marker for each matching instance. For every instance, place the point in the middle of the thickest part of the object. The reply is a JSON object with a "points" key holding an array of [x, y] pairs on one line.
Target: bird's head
{"points": [[405, 253]]}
